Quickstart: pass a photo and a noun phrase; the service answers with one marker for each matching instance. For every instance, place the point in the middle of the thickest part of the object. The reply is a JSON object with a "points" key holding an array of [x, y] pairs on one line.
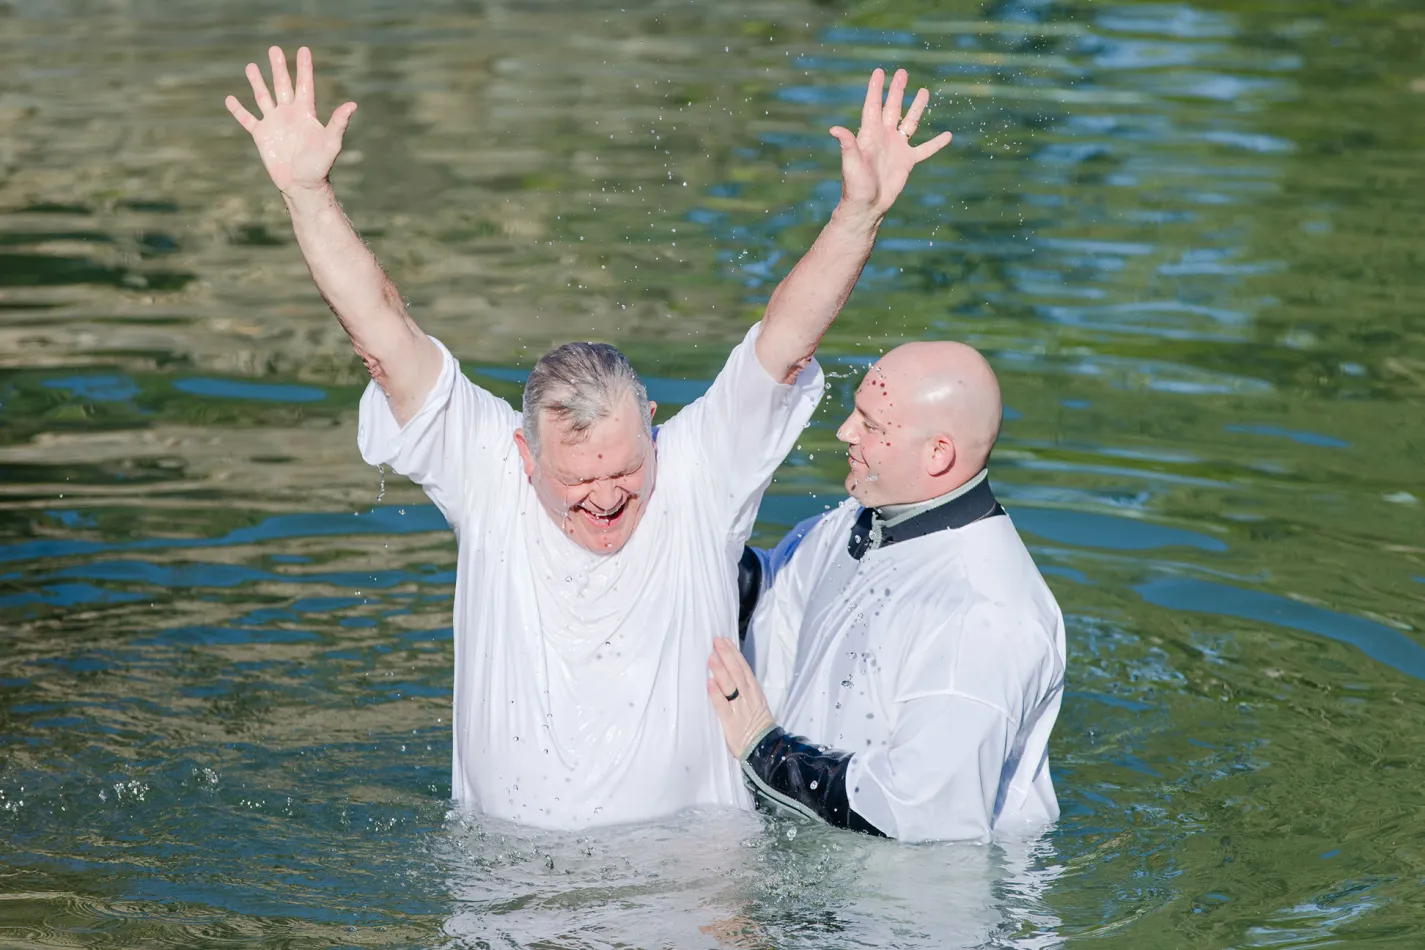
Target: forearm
{"points": [[399, 357], [810, 297], [795, 774]]}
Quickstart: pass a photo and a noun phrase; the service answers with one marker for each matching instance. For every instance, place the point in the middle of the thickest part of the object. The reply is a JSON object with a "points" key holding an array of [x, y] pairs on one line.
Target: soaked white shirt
{"points": [[580, 694], [937, 661]]}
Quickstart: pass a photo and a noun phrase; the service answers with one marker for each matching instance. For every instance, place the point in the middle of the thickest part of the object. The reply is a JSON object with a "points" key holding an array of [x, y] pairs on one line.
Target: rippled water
{"points": [[1188, 237]]}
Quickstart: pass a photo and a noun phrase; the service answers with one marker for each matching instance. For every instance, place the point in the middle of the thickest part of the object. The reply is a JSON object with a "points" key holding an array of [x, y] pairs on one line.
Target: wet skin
{"points": [[595, 485]]}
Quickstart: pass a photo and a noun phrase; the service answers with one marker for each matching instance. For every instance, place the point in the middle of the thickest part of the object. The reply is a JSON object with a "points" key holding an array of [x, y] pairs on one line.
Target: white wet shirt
{"points": [[580, 694], [937, 661]]}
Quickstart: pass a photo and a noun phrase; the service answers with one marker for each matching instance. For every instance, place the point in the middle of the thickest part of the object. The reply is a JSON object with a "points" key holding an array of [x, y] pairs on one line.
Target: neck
{"points": [[893, 514]]}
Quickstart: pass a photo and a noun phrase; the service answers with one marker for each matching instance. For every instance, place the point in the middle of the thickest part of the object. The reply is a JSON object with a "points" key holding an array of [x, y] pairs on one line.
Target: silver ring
{"points": [[733, 696], [903, 131]]}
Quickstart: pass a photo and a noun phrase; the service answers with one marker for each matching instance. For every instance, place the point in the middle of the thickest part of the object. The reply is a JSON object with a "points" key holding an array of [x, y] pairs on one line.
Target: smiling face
{"points": [[884, 446], [596, 484]]}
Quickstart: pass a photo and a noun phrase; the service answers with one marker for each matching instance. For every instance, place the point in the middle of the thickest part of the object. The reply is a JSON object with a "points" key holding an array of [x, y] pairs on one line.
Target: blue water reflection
{"points": [[1377, 641]]}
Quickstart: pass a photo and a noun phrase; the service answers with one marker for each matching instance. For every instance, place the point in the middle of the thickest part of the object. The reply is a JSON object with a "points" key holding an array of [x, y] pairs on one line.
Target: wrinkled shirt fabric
{"points": [[937, 662], [579, 695]]}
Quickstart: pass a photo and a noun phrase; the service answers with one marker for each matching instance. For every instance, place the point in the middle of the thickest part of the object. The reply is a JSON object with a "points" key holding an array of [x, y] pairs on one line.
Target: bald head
{"points": [[950, 388], [927, 416]]}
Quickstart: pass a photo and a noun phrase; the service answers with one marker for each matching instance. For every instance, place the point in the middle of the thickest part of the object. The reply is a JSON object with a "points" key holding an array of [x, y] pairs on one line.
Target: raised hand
{"points": [[876, 161], [297, 150]]}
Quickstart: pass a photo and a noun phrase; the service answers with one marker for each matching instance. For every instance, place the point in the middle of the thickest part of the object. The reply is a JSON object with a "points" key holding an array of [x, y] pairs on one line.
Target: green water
{"points": [[1187, 237]]}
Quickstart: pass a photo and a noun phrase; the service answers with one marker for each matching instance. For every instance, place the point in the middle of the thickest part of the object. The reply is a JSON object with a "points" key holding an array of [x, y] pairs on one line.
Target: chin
{"points": [[856, 488], [604, 538], [601, 544]]}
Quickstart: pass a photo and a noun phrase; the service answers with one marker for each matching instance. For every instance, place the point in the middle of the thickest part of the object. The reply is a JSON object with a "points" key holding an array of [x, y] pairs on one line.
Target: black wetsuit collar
{"points": [[976, 504]]}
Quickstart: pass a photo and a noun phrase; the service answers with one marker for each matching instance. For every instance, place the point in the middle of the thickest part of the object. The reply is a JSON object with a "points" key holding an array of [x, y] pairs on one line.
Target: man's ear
{"points": [[525, 453], [652, 411], [939, 456]]}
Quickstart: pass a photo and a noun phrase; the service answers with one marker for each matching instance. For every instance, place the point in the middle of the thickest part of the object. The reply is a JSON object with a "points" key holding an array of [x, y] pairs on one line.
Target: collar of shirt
{"points": [[971, 502], [891, 515]]}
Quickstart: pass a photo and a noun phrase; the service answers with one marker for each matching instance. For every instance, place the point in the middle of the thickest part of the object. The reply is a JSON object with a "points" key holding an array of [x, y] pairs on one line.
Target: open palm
{"points": [[876, 162], [297, 150]]}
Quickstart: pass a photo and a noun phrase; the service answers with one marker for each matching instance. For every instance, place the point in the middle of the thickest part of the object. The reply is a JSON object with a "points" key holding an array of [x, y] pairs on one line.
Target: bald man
{"points": [[906, 643]]}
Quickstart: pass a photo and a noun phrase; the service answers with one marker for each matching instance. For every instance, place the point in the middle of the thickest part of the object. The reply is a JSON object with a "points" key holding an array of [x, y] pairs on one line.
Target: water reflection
{"points": [[1186, 235]]}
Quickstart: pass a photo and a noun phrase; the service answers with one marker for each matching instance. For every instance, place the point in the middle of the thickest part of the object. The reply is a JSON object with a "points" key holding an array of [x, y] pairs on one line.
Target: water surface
{"points": [[1186, 235]]}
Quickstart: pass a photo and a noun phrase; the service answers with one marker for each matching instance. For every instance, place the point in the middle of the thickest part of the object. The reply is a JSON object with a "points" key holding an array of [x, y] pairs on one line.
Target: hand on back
{"points": [[297, 150], [876, 161], [737, 698]]}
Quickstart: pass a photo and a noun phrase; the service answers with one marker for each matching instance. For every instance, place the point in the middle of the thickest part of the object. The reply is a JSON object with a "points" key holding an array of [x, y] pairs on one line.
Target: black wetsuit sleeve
{"points": [[749, 588], [795, 774]]}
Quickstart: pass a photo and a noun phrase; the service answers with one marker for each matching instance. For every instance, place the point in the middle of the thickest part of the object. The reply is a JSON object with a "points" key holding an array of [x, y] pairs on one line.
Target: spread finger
{"points": [[259, 88], [917, 108], [281, 78], [891, 114], [871, 108]]}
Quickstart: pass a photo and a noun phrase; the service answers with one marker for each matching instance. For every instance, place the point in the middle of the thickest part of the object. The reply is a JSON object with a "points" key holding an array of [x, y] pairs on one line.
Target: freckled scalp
{"points": [[950, 388]]}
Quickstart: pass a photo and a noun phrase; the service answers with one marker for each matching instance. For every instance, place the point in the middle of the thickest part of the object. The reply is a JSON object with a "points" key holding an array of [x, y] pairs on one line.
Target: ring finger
{"points": [[720, 673], [911, 122]]}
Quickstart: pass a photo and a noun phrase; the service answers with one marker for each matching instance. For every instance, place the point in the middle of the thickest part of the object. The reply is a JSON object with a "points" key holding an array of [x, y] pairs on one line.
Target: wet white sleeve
{"points": [[448, 445], [938, 779], [742, 428]]}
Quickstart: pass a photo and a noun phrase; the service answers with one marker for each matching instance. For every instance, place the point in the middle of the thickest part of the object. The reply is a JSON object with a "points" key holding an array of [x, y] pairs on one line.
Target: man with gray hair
{"points": [[585, 601]]}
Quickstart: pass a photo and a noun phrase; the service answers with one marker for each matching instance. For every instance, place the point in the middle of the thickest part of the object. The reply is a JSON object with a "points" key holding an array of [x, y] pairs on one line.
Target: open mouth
{"points": [[605, 519]]}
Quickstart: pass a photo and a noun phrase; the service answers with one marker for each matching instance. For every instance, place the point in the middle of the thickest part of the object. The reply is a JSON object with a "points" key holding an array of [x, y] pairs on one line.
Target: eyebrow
{"points": [[584, 481]]}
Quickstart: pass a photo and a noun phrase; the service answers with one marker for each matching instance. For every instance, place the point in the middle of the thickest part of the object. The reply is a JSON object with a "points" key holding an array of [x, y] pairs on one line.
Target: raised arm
{"points": [[298, 152], [875, 164]]}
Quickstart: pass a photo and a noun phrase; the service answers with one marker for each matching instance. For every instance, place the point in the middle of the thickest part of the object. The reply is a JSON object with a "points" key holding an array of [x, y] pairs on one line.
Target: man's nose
{"points": [[847, 433], [604, 494]]}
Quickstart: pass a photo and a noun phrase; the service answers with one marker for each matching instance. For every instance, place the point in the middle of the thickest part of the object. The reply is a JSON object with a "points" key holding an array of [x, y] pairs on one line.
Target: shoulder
{"points": [[803, 551], [819, 532], [979, 566], [829, 523], [1000, 571]]}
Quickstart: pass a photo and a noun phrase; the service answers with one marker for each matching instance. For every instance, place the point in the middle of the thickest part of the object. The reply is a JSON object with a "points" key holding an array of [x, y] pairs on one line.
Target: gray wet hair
{"points": [[580, 384]]}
